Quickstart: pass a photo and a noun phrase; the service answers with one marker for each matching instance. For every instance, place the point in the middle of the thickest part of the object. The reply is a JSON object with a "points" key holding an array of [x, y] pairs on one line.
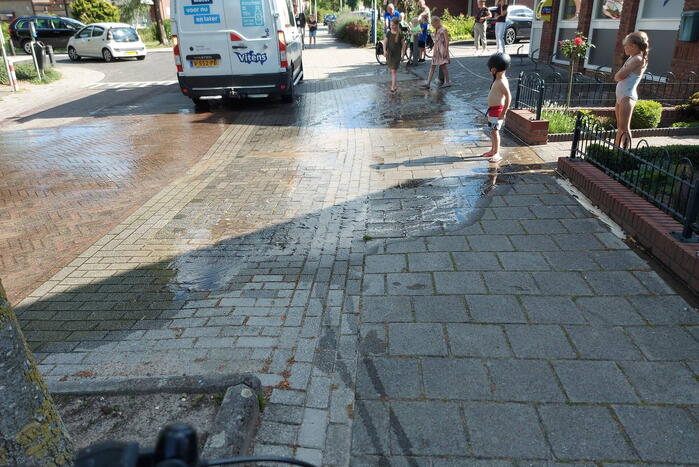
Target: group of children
{"points": [[499, 97]]}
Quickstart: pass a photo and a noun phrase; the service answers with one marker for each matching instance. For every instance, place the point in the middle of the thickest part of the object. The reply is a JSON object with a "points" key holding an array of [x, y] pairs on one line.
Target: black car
{"points": [[519, 24], [51, 30]]}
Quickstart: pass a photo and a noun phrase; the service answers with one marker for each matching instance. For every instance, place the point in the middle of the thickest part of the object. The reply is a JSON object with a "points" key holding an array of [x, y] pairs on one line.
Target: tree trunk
{"points": [[159, 20], [31, 430]]}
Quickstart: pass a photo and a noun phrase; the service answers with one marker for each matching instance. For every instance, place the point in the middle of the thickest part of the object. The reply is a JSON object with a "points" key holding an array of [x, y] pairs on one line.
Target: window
{"points": [[97, 31], [22, 24], [290, 10], [124, 35], [85, 33], [72, 25], [660, 19], [43, 23], [610, 9], [570, 9], [662, 9]]}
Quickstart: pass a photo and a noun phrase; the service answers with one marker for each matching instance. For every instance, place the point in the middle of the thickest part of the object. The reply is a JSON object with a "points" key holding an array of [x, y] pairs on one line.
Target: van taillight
{"points": [[235, 37], [176, 52], [282, 50]]}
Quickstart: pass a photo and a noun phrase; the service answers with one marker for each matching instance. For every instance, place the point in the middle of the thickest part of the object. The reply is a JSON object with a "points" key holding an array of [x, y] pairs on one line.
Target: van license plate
{"points": [[204, 63]]}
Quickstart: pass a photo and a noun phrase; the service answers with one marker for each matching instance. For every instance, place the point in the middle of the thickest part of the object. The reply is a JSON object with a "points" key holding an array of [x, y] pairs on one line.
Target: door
{"points": [[65, 31], [292, 34], [81, 43], [44, 31], [252, 31], [96, 41]]}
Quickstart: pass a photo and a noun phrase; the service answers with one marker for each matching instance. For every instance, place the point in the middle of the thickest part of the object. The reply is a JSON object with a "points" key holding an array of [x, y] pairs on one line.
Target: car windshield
{"points": [[124, 35]]}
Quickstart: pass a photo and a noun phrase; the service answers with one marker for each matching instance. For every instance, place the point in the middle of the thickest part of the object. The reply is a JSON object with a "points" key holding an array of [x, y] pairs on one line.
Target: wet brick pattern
{"points": [[407, 305], [63, 189]]}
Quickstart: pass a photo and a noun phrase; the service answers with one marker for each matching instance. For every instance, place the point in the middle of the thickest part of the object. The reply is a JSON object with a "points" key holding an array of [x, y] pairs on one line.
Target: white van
{"points": [[229, 48]]}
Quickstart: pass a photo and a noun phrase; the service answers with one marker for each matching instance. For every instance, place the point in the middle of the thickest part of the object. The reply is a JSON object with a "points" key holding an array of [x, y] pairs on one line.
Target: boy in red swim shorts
{"points": [[498, 102]]}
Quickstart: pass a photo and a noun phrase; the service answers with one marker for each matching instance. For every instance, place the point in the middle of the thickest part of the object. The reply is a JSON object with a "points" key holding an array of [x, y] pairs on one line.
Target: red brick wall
{"points": [[548, 35], [627, 24], [684, 59]]}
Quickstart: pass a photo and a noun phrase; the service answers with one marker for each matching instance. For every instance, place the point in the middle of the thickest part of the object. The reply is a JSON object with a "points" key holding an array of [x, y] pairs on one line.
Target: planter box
{"points": [[645, 133], [646, 223], [523, 124]]}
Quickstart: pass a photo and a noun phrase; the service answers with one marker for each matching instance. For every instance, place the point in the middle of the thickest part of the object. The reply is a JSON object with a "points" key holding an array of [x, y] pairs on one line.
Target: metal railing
{"points": [[534, 92], [669, 181]]}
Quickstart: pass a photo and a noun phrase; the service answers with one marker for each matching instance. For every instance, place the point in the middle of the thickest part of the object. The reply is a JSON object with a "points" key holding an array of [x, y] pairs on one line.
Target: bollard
{"points": [[39, 52], [52, 57]]}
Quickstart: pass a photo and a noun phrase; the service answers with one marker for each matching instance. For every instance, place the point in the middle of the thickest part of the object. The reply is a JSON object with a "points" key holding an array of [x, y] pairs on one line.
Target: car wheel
{"points": [[141, 57], [107, 55], [27, 46], [510, 36], [73, 54]]}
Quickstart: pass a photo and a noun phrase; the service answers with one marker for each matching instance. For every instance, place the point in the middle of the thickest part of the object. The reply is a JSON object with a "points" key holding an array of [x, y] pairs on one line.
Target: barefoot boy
{"points": [[498, 102]]}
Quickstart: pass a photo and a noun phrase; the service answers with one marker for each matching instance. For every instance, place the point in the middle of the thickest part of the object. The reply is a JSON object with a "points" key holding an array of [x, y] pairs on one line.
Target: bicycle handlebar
{"points": [[176, 447]]}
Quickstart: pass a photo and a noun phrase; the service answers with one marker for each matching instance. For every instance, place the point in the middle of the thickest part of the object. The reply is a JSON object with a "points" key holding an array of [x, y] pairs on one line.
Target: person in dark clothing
{"points": [[479, 38], [312, 30], [500, 25], [301, 24]]}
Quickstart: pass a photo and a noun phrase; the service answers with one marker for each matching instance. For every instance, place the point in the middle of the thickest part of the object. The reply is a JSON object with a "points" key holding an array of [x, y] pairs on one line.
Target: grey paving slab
{"points": [[665, 343], [584, 432], [524, 380], [477, 340], [598, 381], [386, 309], [410, 284], [459, 461], [543, 226], [476, 261], [661, 434], [416, 339], [523, 261], [370, 430], [434, 261], [490, 243], [560, 310], [539, 341], [603, 343], [501, 227], [395, 378], [449, 378], [653, 282], [448, 243], [615, 283], [562, 283], [609, 310], [505, 430], [385, 263], [577, 242], [663, 383], [569, 261], [444, 308], [510, 283], [619, 260], [459, 283], [670, 309], [495, 309], [406, 246], [446, 435]]}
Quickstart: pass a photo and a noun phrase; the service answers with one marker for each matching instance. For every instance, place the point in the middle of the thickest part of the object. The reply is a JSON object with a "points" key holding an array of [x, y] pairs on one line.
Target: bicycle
{"points": [[176, 447]]}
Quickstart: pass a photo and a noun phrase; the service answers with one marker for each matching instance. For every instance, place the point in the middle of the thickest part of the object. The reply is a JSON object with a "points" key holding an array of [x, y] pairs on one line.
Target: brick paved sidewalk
{"points": [[408, 304]]}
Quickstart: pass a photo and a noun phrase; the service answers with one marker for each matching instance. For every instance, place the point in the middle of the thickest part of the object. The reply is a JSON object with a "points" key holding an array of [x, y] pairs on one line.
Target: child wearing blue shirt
{"points": [[422, 38]]}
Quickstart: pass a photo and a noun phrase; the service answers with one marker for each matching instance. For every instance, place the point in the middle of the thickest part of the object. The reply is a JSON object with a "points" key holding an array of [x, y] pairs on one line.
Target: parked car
{"points": [[519, 24], [51, 30], [254, 52], [109, 41], [329, 19]]}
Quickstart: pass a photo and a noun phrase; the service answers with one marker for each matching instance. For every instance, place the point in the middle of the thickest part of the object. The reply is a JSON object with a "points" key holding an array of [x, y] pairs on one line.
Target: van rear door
{"points": [[202, 38], [252, 35]]}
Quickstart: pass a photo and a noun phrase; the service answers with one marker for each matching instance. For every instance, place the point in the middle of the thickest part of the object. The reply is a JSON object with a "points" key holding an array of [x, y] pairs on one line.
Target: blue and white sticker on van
{"points": [[252, 13], [207, 19], [197, 10], [201, 2], [251, 57]]}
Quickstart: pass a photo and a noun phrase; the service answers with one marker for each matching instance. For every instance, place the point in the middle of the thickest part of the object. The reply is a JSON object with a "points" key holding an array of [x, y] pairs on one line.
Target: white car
{"points": [[109, 41]]}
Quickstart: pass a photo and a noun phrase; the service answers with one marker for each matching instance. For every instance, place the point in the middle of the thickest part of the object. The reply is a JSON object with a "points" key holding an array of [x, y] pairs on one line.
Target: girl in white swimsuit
{"points": [[627, 79]]}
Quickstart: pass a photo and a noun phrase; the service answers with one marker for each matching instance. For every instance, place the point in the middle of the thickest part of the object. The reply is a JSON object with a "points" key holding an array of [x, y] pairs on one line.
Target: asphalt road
{"points": [[158, 66]]}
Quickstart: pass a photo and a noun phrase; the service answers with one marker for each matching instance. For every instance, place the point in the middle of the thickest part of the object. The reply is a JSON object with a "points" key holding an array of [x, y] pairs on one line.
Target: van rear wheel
{"points": [[200, 105], [288, 96]]}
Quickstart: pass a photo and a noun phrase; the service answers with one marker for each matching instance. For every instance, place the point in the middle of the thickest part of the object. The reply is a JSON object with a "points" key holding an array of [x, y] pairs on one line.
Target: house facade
{"points": [[607, 22]]}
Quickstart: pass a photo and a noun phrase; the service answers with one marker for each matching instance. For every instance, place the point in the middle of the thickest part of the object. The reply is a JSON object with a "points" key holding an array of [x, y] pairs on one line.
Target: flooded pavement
{"points": [[405, 302]]}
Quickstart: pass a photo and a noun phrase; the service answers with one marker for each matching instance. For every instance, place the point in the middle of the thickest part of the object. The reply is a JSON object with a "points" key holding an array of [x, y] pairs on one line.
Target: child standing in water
{"points": [[440, 53], [498, 102]]}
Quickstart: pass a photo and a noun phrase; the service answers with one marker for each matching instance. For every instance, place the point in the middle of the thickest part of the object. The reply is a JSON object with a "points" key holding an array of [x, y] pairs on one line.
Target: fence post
{"points": [[519, 85], [540, 100], [576, 135], [691, 216]]}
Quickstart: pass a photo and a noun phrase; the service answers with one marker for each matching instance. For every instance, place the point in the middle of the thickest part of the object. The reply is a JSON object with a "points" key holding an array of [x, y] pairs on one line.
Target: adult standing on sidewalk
{"points": [[500, 25], [479, 38], [389, 15], [301, 24], [423, 9]]}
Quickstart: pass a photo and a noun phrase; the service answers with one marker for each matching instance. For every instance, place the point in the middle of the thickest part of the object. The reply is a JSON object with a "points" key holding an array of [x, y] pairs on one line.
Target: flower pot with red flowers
{"points": [[574, 49]]}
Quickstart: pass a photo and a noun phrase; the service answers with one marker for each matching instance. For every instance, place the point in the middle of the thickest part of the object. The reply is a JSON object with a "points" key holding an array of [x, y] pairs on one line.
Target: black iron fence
{"points": [[535, 93], [669, 181]]}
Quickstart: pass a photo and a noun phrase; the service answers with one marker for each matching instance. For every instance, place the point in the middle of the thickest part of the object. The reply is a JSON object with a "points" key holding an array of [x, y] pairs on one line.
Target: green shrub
{"points": [[690, 110], [560, 121], [646, 114], [94, 11], [459, 27], [620, 162], [346, 26], [685, 124], [155, 32]]}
